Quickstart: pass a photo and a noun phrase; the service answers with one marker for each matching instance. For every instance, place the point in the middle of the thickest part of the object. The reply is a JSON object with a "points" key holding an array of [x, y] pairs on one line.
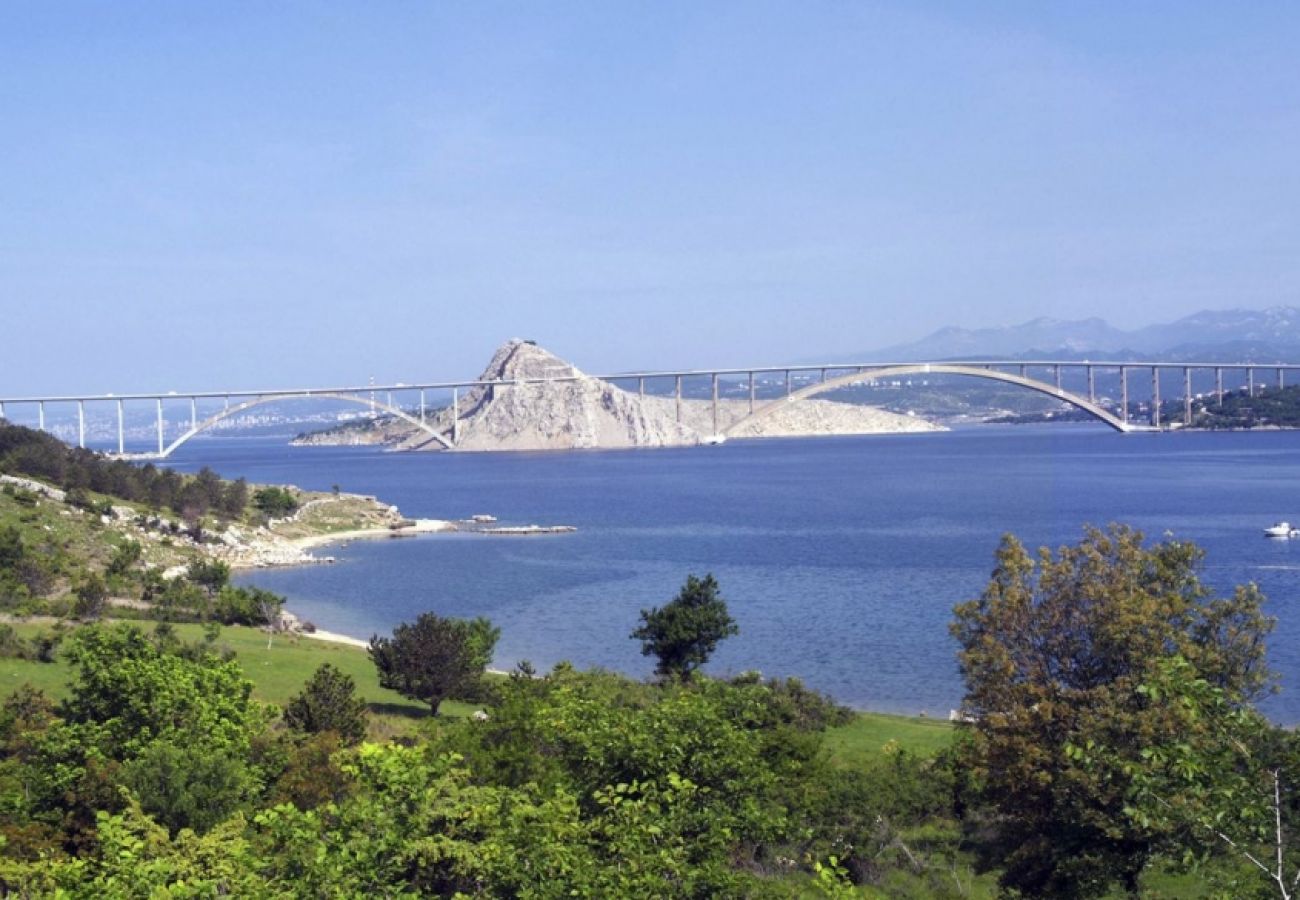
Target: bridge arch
{"points": [[260, 401], [1032, 384]]}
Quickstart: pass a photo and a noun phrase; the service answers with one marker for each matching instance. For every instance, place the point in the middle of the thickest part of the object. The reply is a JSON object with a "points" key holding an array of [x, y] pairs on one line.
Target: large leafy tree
{"points": [[434, 658], [1055, 655], [684, 632]]}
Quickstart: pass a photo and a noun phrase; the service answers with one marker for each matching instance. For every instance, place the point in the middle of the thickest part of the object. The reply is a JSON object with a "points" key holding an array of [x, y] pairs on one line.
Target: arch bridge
{"points": [[799, 383]]}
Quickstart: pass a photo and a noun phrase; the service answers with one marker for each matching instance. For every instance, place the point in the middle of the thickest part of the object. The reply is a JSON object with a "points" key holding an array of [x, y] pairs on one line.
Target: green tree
{"points": [[234, 498], [434, 658], [210, 574], [1054, 654], [11, 547], [275, 502], [1224, 785], [92, 595], [130, 691], [124, 558], [188, 784], [684, 632], [328, 702]]}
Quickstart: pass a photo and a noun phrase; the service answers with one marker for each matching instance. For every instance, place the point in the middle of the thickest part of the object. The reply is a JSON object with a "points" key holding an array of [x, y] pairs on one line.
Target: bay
{"points": [[841, 558]]}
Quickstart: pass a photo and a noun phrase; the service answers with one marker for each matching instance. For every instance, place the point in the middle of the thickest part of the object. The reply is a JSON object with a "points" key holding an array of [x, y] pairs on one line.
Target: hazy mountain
{"points": [[1267, 335]]}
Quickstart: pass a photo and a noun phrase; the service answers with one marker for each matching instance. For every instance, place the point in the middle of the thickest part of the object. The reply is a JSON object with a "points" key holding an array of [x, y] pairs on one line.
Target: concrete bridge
{"points": [[799, 382]]}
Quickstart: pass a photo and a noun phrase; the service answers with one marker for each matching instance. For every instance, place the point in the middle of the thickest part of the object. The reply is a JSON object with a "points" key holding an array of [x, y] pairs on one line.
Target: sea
{"points": [[840, 558]]}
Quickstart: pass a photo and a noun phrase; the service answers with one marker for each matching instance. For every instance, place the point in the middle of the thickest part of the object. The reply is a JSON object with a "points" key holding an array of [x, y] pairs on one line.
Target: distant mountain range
{"points": [[1248, 335]]}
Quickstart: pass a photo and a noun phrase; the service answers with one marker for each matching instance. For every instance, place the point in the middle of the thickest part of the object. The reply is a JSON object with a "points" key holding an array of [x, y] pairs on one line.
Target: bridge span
{"points": [[811, 380]]}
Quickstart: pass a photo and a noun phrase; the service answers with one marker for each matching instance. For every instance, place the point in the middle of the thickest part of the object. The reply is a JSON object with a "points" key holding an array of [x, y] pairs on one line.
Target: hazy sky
{"points": [[213, 195]]}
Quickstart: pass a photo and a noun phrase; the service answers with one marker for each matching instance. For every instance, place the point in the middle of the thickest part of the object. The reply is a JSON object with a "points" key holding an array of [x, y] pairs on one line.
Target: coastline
{"points": [[418, 526]]}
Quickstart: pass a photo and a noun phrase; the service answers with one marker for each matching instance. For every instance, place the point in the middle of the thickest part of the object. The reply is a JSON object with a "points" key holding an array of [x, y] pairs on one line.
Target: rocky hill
{"points": [[590, 413]]}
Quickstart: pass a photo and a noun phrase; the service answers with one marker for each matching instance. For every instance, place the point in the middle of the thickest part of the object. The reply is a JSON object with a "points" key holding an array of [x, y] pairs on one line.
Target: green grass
{"points": [[277, 673], [280, 672], [864, 738]]}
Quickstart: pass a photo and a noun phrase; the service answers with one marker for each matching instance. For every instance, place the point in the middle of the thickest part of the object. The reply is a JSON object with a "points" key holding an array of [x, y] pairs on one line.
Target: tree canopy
{"points": [[684, 632], [433, 657], [1055, 656]]}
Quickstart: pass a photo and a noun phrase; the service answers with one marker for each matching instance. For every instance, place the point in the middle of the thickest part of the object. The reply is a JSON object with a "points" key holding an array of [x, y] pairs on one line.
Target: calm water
{"points": [[841, 558]]}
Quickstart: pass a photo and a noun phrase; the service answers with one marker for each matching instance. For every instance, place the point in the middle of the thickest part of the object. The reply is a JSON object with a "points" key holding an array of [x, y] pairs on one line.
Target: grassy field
{"points": [[867, 735], [279, 672]]}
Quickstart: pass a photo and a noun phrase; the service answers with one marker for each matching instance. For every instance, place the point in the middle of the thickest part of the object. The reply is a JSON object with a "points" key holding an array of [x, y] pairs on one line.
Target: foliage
{"points": [[26, 451], [210, 574], [1053, 654], [131, 692], [1225, 785], [434, 658], [25, 571], [275, 502], [1267, 406], [92, 594], [684, 632], [247, 606], [189, 784], [124, 558], [328, 702]]}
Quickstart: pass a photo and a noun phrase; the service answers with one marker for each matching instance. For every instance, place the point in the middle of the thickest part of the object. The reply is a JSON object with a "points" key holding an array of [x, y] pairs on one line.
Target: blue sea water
{"points": [[841, 558]]}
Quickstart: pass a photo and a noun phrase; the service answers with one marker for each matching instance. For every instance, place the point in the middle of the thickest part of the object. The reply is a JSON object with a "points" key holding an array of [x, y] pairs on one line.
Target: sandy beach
{"points": [[420, 526]]}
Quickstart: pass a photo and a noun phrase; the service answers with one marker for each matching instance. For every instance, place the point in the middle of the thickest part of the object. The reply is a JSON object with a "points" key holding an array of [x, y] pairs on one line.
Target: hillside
{"points": [[587, 413]]}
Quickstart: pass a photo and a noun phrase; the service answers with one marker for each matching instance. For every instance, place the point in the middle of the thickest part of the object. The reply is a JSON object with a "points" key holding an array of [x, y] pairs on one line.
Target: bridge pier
{"points": [[1056, 375], [455, 416], [1092, 387], [677, 393], [1250, 382], [751, 393], [1281, 382], [160, 426], [1123, 391], [640, 387], [787, 384], [121, 430], [2, 410], [1187, 396], [1155, 397], [715, 399], [422, 406], [1218, 384], [194, 414], [81, 424], [40, 414]]}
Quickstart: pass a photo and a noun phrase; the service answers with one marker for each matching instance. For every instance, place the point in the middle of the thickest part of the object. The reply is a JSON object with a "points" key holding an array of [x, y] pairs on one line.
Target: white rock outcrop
{"points": [[587, 412]]}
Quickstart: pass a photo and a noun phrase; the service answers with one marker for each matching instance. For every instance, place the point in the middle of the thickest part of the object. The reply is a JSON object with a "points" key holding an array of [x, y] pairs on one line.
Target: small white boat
{"points": [[1282, 530]]}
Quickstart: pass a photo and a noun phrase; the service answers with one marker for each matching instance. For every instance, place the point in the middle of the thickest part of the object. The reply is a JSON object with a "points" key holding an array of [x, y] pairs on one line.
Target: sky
{"points": [[212, 196]]}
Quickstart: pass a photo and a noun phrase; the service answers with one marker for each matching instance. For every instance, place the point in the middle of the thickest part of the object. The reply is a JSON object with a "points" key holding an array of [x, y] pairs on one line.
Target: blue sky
{"points": [[212, 195]]}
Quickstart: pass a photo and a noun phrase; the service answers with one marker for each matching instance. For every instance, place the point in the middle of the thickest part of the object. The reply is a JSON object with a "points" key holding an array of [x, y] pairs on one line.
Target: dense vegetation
{"points": [[75, 567], [26, 452], [1267, 407], [1110, 746]]}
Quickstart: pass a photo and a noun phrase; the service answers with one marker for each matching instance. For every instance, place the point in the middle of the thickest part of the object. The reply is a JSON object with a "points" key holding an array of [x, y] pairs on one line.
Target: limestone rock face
{"points": [[585, 413]]}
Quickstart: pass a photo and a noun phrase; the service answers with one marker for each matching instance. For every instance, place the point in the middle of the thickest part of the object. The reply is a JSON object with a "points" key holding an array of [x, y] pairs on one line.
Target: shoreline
{"points": [[419, 526]]}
